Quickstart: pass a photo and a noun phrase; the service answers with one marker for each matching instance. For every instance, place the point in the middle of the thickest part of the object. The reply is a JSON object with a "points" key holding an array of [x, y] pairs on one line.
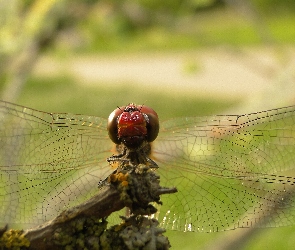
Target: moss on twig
{"points": [[84, 226]]}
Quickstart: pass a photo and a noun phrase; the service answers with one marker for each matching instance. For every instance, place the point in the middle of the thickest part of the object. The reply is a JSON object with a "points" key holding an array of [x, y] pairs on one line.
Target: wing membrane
{"points": [[48, 162], [231, 171]]}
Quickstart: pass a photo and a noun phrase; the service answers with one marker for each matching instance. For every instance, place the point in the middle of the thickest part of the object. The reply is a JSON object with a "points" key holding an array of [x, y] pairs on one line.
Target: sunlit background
{"points": [[181, 57]]}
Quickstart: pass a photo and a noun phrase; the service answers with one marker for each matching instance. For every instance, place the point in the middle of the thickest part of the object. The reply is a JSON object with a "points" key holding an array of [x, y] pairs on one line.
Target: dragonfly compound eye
{"points": [[132, 125]]}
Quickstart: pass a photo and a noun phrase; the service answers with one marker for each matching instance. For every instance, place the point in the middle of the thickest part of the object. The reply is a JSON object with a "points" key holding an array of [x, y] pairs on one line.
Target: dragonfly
{"points": [[231, 171]]}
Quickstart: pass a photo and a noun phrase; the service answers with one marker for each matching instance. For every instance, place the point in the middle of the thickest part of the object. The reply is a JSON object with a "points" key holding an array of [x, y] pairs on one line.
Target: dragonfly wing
{"points": [[230, 171], [48, 162]]}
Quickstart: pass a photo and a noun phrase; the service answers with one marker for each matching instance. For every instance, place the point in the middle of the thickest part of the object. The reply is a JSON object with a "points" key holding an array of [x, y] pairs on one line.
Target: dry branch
{"points": [[100, 206], [84, 225]]}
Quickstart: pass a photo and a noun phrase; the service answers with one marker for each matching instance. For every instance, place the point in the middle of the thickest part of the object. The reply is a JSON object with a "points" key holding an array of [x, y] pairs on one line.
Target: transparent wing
{"points": [[48, 162], [230, 171]]}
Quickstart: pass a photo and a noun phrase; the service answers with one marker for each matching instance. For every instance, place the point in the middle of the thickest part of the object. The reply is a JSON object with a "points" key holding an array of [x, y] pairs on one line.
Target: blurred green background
{"points": [[181, 57]]}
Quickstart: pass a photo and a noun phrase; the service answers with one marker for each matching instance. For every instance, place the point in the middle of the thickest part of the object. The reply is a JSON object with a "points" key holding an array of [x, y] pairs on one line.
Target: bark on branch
{"points": [[84, 226], [100, 206]]}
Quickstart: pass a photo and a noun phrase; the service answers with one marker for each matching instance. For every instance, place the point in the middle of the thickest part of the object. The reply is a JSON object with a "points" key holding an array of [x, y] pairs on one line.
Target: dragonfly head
{"points": [[133, 124]]}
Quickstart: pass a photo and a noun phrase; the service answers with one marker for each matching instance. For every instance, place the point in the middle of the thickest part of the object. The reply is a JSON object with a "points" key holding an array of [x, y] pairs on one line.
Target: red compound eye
{"points": [[133, 124]]}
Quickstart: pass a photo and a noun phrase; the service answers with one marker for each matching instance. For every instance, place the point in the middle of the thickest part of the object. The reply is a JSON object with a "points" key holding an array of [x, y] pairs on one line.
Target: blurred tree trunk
{"points": [[26, 30]]}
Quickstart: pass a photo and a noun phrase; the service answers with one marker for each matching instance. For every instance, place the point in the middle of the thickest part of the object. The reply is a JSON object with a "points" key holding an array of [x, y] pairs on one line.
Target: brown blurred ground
{"points": [[264, 77]]}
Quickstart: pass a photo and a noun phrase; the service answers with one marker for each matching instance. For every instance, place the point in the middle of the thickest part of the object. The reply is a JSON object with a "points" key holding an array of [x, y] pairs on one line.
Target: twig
{"points": [[84, 225], [100, 206]]}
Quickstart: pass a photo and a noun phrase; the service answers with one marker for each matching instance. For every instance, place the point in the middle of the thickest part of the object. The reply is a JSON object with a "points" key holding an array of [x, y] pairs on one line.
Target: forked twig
{"points": [[85, 224]]}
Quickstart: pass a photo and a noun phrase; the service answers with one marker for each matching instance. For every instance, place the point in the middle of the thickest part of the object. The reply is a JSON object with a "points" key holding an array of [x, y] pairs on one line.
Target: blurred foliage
{"points": [[137, 25], [111, 24], [30, 27], [275, 6]]}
